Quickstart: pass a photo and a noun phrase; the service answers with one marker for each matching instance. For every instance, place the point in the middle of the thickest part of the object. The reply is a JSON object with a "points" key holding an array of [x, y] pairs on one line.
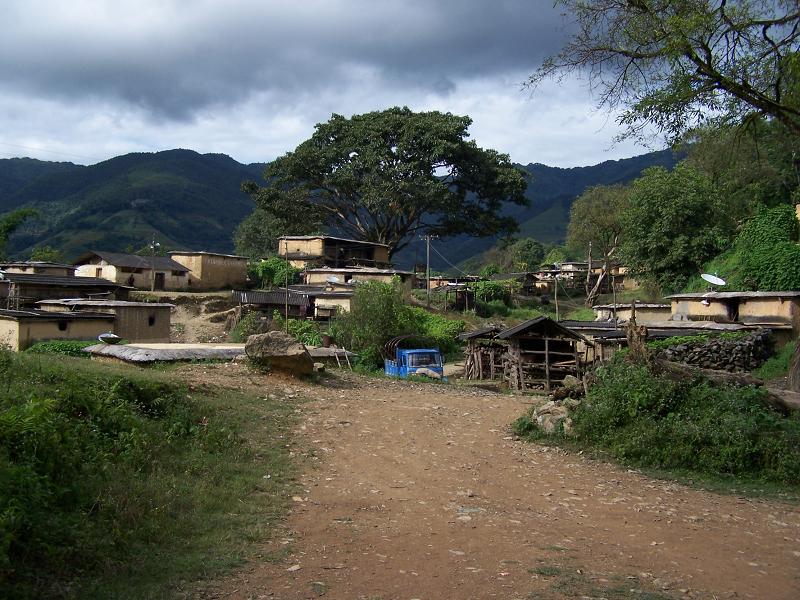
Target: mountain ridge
{"points": [[189, 200]]}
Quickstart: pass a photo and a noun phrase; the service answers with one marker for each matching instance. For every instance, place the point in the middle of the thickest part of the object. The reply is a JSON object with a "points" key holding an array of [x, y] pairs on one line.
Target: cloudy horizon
{"points": [[86, 81]]}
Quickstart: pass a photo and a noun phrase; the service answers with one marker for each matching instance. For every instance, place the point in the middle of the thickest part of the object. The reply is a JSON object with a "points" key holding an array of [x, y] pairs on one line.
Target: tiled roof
{"points": [[134, 261], [49, 280]]}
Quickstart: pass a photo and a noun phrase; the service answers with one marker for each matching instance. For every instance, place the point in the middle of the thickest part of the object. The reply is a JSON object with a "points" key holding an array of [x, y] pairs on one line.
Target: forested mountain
{"points": [[193, 201], [184, 199], [551, 191]]}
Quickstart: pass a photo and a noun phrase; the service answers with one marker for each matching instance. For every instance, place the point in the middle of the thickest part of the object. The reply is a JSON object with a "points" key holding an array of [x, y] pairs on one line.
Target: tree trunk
{"points": [[591, 297], [794, 369]]}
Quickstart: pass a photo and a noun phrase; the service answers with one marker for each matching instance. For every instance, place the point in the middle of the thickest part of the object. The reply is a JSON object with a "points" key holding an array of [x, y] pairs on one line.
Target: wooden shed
{"points": [[483, 353], [541, 353]]}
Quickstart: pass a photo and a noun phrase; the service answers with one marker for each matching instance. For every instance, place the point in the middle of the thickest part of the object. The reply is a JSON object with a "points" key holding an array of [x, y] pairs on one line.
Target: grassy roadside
{"points": [[720, 438], [123, 483]]}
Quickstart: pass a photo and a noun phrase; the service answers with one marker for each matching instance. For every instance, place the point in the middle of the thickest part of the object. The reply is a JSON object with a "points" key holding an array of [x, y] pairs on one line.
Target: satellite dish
{"points": [[332, 279], [713, 279]]}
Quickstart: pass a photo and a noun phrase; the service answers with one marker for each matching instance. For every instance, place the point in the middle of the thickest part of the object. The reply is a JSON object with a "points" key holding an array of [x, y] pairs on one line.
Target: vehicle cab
{"points": [[418, 361]]}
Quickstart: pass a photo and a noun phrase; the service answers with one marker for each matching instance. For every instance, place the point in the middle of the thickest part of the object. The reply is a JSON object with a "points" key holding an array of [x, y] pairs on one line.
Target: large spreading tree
{"points": [[595, 225], [676, 64], [391, 175]]}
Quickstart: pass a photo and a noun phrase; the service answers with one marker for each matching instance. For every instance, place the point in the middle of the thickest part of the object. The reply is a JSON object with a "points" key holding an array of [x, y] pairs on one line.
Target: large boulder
{"points": [[279, 351]]}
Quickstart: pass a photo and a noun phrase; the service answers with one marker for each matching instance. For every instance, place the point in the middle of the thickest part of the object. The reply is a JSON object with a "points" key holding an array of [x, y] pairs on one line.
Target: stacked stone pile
{"points": [[739, 355]]}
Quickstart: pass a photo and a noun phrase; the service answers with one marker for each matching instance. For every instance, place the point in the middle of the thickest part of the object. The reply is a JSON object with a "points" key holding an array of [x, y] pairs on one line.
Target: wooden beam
{"points": [[547, 363]]}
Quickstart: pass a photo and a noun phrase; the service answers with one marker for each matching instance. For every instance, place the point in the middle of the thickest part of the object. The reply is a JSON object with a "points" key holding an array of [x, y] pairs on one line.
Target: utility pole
{"points": [[427, 239], [555, 280], [154, 245], [286, 285]]}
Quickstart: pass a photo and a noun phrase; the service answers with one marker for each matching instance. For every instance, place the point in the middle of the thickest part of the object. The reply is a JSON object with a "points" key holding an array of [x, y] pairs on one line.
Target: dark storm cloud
{"points": [[175, 58]]}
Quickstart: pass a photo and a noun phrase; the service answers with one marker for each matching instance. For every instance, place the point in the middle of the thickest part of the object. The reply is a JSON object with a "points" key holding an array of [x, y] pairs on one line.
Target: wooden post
{"points": [[547, 363]]}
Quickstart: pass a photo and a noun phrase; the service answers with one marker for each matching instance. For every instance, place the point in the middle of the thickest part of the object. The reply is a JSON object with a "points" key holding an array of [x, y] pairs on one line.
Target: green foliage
{"points": [[273, 272], [596, 218], [46, 254], [675, 64], [375, 176], [487, 291], [303, 330], [751, 166], [675, 222], [12, 221], [442, 331], [489, 270], [86, 456], [378, 313], [649, 421], [765, 255], [62, 348], [257, 235], [556, 254], [249, 324], [778, 365], [507, 256]]}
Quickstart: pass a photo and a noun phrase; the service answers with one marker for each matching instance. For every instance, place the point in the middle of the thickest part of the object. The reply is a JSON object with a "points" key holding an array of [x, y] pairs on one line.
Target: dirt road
{"points": [[418, 491]]}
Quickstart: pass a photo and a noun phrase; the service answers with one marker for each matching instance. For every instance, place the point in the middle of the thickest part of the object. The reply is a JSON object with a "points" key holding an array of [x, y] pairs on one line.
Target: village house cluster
{"points": [[51, 301]]}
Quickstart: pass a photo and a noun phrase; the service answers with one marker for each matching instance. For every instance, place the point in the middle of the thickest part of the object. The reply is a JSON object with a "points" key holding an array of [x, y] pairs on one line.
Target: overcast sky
{"points": [[88, 80]]}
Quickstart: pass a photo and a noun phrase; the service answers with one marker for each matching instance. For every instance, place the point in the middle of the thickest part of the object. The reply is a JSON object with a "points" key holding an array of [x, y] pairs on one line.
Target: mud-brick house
{"points": [[646, 312], [311, 251], [36, 267], [20, 329], [211, 270], [141, 272], [354, 275], [132, 321], [778, 311], [23, 289]]}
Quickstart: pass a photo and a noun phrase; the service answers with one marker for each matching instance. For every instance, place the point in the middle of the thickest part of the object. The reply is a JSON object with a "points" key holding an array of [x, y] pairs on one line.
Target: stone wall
{"points": [[742, 354]]}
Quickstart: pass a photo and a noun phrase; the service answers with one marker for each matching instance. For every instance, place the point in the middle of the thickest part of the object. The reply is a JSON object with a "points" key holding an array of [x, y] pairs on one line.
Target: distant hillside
{"points": [[551, 192], [193, 201], [185, 199]]}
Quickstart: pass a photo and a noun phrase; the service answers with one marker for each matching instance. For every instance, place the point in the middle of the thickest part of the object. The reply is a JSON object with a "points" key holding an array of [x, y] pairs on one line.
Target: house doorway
{"points": [[159, 284]]}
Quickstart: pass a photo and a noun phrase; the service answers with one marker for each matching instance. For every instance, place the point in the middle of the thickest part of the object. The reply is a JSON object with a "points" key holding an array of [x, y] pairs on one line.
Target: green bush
{"points": [[378, 313], [303, 330], [272, 272], [249, 324], [778, 365], [84, 451], [62, 347], [650, 421]]}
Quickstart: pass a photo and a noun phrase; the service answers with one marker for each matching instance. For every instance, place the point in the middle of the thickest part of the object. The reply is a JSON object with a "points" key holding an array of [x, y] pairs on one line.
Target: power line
{"points": [[50, 151], [448, 262]]}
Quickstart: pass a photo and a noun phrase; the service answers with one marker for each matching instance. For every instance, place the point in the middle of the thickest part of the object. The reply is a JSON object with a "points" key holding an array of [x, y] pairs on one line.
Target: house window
{"points": [[151, 320], [62, 325], [98, 272], [178, 273]]}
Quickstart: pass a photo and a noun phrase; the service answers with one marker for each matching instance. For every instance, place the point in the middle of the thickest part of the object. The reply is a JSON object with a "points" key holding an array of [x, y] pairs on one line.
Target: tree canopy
{"points": [[10, 222], [387, 176], [674, 223], [257, 235], [595, 226], [675, 64]]}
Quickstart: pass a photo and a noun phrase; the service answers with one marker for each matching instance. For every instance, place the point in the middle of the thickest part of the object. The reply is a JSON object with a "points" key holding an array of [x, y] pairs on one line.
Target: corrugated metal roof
{"points": [[44, 315], [104, 303], [735, 295], [50, 280], [330, 237], [485, 332], [270, 297], [35, 263], [540, 324], [204, 253], [133, 261]]}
